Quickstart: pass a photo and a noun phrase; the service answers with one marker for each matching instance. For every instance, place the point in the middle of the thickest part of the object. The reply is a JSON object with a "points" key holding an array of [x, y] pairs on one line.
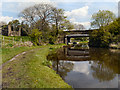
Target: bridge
{"points": [[76, 33], [69, 54]]}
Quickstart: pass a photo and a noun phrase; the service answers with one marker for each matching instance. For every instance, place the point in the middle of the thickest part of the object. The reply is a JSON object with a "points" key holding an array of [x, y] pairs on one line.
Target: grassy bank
{"points": [[8, 53], [29, 71]]}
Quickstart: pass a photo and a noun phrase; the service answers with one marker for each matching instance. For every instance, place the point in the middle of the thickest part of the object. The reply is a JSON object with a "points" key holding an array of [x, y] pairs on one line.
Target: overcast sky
{"points": [[77, 11]]}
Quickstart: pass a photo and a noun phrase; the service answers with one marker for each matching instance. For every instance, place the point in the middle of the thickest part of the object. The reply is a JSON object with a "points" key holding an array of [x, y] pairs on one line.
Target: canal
{"points": [[84, 67]]}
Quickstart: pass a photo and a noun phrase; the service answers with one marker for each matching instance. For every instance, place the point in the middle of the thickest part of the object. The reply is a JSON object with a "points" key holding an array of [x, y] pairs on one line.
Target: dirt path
{"points": [[13, 58]]}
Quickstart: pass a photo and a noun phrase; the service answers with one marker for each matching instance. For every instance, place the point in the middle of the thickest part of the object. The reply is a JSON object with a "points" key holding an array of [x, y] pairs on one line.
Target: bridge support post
{"points": [[68, 40]]}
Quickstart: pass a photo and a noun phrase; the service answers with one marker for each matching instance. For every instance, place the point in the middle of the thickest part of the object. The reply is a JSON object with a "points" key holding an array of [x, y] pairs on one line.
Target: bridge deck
{"points": [[74, 30], [78, 35]]}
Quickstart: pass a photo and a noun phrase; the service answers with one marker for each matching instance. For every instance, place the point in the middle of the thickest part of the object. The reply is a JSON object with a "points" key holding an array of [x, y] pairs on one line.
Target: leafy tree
{"points": [[58, 17], [36, 36], [106, 35], [102, 18]]}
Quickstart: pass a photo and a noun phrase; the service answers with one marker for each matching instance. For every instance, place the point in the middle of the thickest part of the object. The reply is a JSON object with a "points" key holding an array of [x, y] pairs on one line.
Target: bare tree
{"points": [[38, 15]]}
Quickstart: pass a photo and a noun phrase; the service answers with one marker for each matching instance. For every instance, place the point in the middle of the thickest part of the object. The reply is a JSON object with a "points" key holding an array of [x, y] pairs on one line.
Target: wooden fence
{"points": [[13, 40]]}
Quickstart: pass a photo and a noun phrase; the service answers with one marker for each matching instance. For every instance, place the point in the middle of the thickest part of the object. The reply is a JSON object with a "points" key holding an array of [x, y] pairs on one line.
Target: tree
{"points": [[39, 13], [66, 25], [58, 17], [79, 26], [45, 18], [102, 18], [106, 35]]}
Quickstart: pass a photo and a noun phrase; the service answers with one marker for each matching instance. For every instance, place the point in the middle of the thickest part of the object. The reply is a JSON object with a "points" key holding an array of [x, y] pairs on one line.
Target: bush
{"points": [[106, 35], [10, 45], [36, 36], [47, 63]]}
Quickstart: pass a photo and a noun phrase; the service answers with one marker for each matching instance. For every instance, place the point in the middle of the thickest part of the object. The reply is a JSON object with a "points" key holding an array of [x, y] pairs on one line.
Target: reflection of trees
{"points": [[105, 64], [101, 72], [62, 67]]}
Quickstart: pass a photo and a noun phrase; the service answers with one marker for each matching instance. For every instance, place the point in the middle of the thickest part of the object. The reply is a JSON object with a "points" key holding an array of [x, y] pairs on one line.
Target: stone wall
{"points": [[13, 33]]}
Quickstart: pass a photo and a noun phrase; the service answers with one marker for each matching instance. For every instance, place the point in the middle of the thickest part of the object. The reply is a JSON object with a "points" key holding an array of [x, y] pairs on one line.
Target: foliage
{"points": [[44, 23], [106, 35], [36, 36], [66, 25], [10, 45], [102, 18], [47, 63]]}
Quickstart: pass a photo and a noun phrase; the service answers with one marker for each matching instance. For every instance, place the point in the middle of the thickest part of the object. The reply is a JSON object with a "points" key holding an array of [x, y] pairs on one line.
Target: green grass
{"points": [[8, 53], [16, 38], [28, 71], [7, 41], [83, 41]]}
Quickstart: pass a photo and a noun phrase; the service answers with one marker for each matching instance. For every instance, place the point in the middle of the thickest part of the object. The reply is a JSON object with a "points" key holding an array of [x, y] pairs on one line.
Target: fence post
{"points": [[9, 39], [21, 40], [13, 40], [3, 40]]}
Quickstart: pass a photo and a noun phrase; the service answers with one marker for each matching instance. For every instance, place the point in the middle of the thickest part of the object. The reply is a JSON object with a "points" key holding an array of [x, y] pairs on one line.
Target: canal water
{"points": [[84, 67]]}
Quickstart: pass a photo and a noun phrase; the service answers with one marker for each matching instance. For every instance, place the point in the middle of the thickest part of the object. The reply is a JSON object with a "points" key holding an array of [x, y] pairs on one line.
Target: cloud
{"points": [[85, 24], [82, 67], [26, 0], [78, 14], [60, 0], [6, 19], [81, 12], [0, 9], [86, 0]]}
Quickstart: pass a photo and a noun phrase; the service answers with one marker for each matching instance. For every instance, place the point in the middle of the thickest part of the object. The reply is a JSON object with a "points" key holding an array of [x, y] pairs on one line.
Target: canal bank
{"points": [[31, 70]]}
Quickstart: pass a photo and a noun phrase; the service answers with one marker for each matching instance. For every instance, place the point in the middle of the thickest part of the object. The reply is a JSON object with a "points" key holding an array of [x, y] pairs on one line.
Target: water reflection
{"points": [[84, 67], [101, 72]]}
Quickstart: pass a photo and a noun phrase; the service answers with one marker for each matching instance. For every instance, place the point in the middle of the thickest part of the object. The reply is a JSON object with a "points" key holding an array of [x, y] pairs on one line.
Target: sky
{"points": [[77, 11]]}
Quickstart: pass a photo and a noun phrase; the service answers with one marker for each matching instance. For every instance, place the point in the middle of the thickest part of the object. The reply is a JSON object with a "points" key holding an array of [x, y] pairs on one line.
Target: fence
{"points": [[13, 40]]}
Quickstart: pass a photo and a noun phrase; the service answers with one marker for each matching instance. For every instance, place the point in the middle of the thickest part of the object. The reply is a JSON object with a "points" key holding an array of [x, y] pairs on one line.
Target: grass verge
{"points": [[28, 71], [8, 53]]}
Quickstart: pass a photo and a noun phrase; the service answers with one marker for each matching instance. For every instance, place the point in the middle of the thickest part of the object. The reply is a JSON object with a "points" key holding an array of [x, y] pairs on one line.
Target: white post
{"points": [[13, 39], [21, 40], [3, 40]]}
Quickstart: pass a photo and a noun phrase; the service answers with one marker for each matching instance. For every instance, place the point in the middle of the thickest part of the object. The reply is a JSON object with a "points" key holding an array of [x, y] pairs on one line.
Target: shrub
{"points": [[36, 36]]}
